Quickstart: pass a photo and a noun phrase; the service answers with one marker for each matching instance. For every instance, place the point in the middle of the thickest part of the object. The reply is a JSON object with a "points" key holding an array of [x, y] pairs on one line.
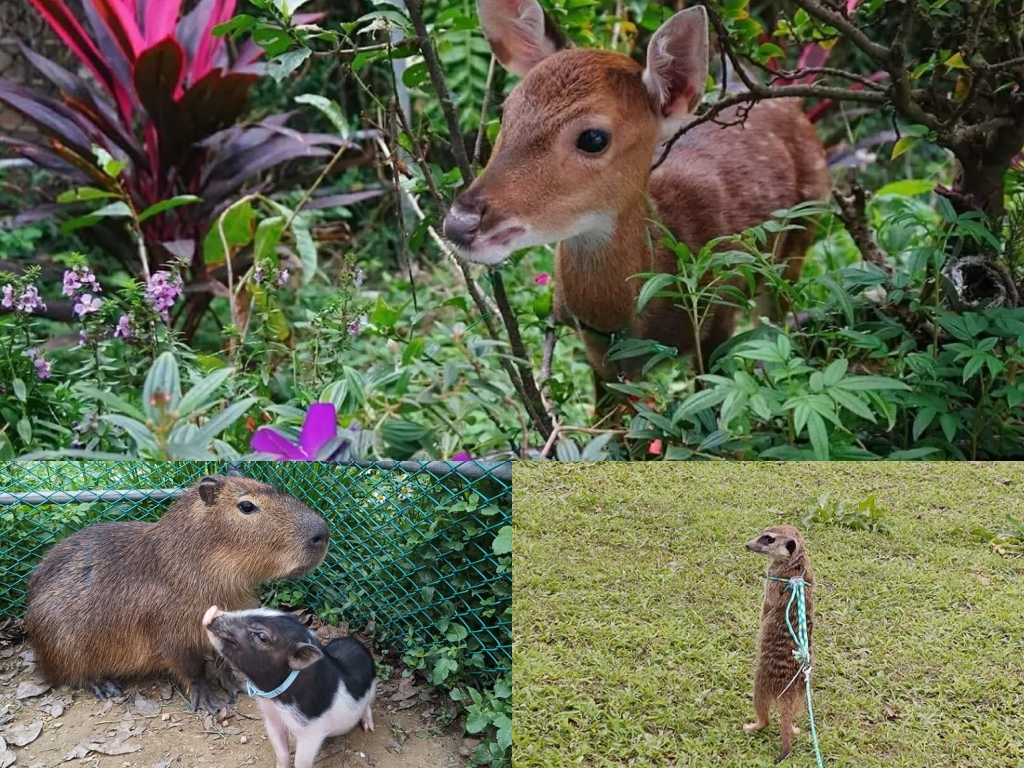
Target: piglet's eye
{"points": [[261, 636]]}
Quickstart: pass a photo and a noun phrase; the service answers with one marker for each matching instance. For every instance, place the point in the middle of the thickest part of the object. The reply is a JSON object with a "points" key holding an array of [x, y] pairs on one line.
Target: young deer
{"points": [[572, 165]]}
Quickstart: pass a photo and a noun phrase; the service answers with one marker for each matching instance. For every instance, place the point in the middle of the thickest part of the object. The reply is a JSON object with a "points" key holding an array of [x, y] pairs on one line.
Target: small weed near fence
{"points": [[420, 550]]}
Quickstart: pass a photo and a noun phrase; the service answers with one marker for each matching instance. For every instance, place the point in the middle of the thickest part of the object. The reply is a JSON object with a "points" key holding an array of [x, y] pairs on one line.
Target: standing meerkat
{"points": [[775, 679]]}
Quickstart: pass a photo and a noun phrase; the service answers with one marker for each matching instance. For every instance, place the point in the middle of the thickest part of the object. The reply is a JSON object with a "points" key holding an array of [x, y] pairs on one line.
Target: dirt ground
{"points": [[151, 727]]}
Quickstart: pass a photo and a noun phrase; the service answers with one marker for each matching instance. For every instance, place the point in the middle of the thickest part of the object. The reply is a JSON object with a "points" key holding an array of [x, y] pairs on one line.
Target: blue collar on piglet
{"points": [[257, 693]]}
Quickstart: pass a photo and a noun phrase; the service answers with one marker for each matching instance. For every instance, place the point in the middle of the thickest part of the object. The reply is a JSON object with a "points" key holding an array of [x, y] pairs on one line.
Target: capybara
{"points": [[301, 689], [121, 600], [775, 679]]}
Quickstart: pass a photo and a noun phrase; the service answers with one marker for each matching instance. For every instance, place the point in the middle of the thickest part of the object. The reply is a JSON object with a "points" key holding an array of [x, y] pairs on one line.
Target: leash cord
{"points": [[796, 586]]}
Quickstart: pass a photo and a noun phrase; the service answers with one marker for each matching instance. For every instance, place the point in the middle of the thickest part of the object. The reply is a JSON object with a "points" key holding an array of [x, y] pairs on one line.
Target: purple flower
{"points": [[77, 278], [162, 290], [30, 301], [357, 278], [258, 276], [83, 337], [319, 428], [42, 366], [542, 279], [462, 456], [8, 300], [87, 305], [282, 277], [355, 327], [123, 329]]}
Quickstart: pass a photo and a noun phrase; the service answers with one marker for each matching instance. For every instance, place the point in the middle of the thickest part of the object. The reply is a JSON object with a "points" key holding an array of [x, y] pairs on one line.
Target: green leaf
{"points": [[201, 393], [502, 544], [956, 61], [111, 400], [162, 390], [136, 430], [456, 633], [119, 209], [443, 667], [835, 371], [476, 721], [25, 430], [923, 418], [20, 391], [223, 420], [83, 194], [166, 205], [237, 223], [906, 188], [904, 144], [504, 724], [306, 247], [697, 402], [818, 433], [330, 110], [268, 235], [862, 383], [652, 287], [281, 66]]}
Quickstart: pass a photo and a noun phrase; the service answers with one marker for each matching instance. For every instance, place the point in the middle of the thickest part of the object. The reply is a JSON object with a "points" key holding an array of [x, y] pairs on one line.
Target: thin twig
{"points": [[478, 148], [852, 211], [542, 420]]}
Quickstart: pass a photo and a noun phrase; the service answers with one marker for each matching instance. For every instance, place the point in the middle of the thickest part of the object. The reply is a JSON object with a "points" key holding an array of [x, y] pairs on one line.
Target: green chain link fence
{"points": [[420, 549]]}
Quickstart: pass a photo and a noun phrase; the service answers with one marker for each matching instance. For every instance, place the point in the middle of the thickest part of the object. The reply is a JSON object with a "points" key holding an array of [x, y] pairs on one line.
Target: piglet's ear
{"points": [[209, 488], [304, 654], [677, 67], [519, 32]]}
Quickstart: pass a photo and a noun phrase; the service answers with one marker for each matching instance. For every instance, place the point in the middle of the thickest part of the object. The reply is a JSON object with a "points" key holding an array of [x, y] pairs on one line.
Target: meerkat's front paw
{"points": [[795, 730], [751, 727]]}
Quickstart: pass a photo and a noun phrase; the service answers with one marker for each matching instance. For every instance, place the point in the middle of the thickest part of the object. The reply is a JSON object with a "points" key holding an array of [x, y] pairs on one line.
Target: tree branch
{"points": [[847, 28]]}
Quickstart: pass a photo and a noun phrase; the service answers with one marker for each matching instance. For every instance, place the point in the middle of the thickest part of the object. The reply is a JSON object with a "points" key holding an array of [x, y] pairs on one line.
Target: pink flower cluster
{"points": [[28, 302], [42, 366], [162, 291], [80, 279]]}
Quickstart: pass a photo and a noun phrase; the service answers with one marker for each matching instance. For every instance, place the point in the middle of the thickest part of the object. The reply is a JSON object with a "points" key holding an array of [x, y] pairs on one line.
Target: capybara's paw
{"points": [[106, 689], [751, 727], [203, 697]]}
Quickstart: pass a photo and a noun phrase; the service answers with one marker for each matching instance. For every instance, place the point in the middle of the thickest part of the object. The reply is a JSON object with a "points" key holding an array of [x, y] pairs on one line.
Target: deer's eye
{"points": [[592, 141]]}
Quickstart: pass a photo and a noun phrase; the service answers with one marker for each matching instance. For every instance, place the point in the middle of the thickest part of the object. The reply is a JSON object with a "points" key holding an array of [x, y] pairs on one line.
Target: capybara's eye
{"points": [[247, 507]]}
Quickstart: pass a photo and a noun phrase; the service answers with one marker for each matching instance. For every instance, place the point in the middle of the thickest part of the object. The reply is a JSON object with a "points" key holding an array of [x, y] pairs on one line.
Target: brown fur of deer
{"points": [[572, 165]]}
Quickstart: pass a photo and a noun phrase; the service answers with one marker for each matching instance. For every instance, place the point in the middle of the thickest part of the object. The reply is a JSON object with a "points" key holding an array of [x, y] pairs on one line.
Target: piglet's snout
{"points": [[212, 613]]}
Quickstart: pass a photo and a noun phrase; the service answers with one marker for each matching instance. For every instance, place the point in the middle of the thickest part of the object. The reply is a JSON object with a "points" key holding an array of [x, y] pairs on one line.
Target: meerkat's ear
{"points": [[209, 488], [791, 546]]}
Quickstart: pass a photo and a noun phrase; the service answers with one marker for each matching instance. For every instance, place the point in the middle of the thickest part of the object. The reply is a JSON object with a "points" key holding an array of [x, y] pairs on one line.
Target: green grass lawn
{"points": [[636, 612]]}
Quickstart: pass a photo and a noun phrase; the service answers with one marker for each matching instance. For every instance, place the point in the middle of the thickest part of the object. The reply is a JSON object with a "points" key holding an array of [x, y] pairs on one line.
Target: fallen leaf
{"points": [[7, 758], [115, 747], [76, 754], [29, 688], [166, 691], [166, 762], [146, 707], [891, 713], [20, 735], [28, 655], [406, 690]]}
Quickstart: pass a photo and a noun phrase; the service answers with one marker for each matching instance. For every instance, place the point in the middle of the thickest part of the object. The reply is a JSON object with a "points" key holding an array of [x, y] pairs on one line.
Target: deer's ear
{"points": [[677, 67], [519, 32]]}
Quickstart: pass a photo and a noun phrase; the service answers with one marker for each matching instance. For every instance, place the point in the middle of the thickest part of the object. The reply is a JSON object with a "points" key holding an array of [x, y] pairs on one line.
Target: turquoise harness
{"points": [[797, 586]]}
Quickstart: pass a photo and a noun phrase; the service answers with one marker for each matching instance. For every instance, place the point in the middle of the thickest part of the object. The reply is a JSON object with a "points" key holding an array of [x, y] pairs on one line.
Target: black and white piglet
{"points": [[301, 689]]}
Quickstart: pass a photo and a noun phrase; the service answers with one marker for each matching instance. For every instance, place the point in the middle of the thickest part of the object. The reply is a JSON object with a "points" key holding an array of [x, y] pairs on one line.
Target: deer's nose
{"points": [[462, 223]]}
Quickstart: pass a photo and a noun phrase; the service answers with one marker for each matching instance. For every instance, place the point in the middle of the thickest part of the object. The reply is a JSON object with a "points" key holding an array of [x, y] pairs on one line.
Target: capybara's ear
{"points": [[209, 488], [304, 654]]}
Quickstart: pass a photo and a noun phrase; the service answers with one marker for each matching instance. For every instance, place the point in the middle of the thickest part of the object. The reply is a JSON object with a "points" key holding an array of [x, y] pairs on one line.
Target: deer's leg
{"points": [[790, 250]]}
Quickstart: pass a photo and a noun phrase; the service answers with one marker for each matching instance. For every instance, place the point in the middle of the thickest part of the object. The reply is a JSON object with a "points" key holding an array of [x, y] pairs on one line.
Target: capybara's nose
{"points": [[462, 223], [319, 535]]}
